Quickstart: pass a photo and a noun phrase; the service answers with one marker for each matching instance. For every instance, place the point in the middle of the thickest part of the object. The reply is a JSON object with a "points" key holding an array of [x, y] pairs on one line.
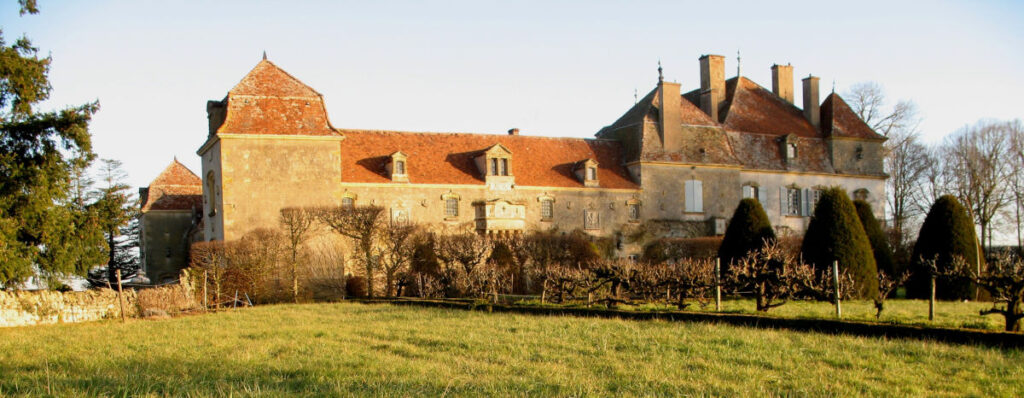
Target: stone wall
{"points": [[25, 308]]}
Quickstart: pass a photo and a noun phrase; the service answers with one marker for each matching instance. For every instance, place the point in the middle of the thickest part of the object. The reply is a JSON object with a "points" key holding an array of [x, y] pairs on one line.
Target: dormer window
{"points": [[791, 150], [397, 167], [495, 164], [586, 171], [788, 146]]}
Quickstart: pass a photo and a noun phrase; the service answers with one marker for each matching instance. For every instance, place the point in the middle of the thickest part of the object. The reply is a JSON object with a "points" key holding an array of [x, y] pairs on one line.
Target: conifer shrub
{"points": [[947, 232], [836, 234], [876, 236], [748, 231]]}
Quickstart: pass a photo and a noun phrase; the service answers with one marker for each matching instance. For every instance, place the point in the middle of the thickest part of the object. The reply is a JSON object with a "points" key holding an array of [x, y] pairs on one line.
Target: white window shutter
{"points": [[762, 196], [805, 201], [688, 184], [747, 191], [698, 196]]}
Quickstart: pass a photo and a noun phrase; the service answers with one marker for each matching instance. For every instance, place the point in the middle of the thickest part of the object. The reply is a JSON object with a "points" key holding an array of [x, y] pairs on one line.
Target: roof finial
{"points": [[660, 77], [264, 55], [636, 98], [738, 62], [833, 86]]}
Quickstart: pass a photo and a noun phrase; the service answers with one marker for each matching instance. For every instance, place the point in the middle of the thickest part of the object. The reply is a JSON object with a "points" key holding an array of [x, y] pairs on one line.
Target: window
{"points": [[504, 167], [792, 205], [591, 173], [348, 202], [210, 189], [494, 166], [634, 211], [814, 197], [861, 194], [400, 167], [451, 207], [546, 209], [791, 150], [694, 196], [751, 191]]}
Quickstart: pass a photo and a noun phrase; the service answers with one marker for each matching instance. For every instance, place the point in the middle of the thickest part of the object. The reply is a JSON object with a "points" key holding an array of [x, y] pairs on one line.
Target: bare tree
{"points": [[978, 171], [362, 224], [296, 223], [907, 162], [886, 285], [867, 99], [1015, 129], [396, 251], [773, 275], [462, 256]]}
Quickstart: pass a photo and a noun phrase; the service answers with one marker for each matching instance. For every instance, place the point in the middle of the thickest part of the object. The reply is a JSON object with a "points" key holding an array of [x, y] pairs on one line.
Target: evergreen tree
{"points": [[748, 230], [117, 207], [836, 234], [947, 232], [876, 236], [39, 224]]}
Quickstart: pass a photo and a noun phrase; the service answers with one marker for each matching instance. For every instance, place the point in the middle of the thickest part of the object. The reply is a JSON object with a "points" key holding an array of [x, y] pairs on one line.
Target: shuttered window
{"points": [[694, 192]]}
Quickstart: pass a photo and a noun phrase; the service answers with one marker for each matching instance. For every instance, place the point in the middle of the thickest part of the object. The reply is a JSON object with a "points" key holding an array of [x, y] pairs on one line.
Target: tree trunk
{"points": [[389, 283]]}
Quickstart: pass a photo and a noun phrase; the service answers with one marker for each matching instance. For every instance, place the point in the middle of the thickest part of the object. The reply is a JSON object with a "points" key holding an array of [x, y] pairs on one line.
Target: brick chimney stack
{"points": [[513, 131], [782, 81], [811, 105], [712, 84]]}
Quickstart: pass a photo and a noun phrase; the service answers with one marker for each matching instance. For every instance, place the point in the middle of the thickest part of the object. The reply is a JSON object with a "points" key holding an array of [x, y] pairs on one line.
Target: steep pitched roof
{"points": [[839, 120], [755, 109], [449, 158], [268, 100], [176, 188]]}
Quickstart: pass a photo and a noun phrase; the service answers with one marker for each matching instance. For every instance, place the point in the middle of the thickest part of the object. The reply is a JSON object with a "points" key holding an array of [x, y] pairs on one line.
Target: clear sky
{"points": [[552, 68]]}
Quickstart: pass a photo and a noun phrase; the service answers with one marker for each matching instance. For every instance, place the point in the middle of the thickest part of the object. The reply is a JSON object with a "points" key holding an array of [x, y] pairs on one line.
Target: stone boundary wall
{"points": [[1005, 340], [25, 308]]}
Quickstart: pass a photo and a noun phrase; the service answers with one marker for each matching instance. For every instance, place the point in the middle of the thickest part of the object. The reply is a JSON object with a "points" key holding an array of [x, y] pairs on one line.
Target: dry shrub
{"points": [[326, 270], [166, 300]]}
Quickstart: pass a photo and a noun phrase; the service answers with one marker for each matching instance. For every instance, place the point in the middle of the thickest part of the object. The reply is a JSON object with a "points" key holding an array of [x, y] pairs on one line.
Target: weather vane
{"points": [[660, 77], [738, 62]]}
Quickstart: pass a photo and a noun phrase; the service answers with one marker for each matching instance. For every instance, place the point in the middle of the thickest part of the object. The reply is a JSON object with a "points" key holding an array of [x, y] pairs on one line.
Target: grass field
{"points": [[354, 349]]}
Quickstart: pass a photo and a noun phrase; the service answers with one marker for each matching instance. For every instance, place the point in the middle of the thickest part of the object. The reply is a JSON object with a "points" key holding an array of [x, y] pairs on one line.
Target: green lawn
{"points": [[344, 349]]}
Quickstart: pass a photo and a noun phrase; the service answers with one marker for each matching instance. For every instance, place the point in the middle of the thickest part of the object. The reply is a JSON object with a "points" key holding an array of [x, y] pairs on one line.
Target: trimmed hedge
{"points": [[947, 232], [876, 236], [748, 230], [836, 234]]}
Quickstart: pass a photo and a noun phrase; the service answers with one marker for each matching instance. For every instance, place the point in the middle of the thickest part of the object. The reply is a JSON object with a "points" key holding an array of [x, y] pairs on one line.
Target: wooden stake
{"points": [[835, 283], [718, 285], [931, 301], [234, 304], [120, 295], [206, 305]]}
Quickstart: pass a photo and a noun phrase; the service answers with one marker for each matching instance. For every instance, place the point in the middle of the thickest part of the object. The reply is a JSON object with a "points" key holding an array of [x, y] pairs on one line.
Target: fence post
{"points": [[234, 304], [931, 301], [120, 295], [718, 284], [835, 285]]}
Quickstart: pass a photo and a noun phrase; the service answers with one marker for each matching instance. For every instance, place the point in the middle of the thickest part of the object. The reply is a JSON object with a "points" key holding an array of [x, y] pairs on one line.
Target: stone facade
{"points": [[171, 210], [674, 165]]}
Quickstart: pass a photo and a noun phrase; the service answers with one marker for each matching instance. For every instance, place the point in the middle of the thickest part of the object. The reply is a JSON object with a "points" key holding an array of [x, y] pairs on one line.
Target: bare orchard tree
{"points": [[887, 284], [395, 251], [772, 275], [978, 170], [296, 224], [1004, 279], [907, 162], [463, 255], [362, 224]]}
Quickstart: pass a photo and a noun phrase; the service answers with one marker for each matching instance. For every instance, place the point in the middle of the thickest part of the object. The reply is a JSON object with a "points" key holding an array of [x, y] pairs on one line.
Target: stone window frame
{"points": [[451, 203], [587, 171], [861, 194], [498, 161], [211, 185], [791, 199], [633, 210], [547, 203], [348, 200]]}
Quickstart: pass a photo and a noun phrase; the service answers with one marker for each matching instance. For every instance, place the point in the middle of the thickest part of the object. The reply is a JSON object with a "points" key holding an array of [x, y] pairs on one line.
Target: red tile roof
{"points": [[270, 101], [448, 158], [176, 188], [838, 120]]}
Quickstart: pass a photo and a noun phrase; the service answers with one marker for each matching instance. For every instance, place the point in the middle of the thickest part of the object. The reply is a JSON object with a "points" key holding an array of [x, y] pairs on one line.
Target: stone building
{"points": [[171, 207], [674, 165]]}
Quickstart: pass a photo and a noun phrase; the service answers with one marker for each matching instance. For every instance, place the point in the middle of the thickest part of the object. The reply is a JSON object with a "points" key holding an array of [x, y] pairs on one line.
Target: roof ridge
{"points": [[369, 131]]}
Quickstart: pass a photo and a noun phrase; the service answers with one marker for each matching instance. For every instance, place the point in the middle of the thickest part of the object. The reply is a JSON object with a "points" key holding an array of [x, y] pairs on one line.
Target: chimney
{"points": [[811, 105], [513, 131], [670, 119], [782, 81], [712, 84]]}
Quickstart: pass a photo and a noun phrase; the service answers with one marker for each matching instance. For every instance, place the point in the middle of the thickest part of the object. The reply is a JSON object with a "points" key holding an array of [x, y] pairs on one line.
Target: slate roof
{"points": [[449, 158], [176, 188], [268, 100], [839, 120]]}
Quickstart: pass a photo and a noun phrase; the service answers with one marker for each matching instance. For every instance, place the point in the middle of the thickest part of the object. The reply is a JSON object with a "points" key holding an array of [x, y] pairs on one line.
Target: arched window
{"points": [[861, 194]]}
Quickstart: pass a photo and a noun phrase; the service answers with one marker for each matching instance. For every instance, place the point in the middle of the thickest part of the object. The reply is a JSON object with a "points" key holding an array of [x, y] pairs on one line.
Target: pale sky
{"points": [[550, 68]]}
